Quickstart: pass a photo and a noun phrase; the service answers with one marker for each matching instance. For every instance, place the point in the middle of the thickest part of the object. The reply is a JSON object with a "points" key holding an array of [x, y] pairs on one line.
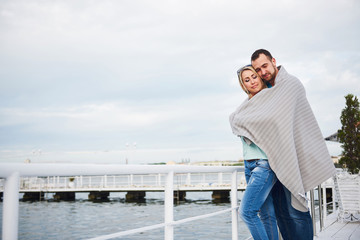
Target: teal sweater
{"points": [[252, 151]]}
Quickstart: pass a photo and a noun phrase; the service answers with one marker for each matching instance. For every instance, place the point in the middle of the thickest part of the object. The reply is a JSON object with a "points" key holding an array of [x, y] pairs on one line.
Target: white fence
{"points": [[13, 172], [130, 182]]}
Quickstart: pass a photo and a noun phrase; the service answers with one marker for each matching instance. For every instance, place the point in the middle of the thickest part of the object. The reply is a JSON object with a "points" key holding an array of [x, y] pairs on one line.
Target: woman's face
{"points": [[252, 82]]}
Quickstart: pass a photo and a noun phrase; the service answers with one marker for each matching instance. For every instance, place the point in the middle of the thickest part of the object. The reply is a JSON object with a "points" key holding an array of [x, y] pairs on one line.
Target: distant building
{"points": [[219, 163], [332, 138], [335, 159], [171, 163]]}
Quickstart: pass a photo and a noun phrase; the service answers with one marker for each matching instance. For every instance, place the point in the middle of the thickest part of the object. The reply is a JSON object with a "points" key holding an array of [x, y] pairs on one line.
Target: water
{"points": [[83, 219]]}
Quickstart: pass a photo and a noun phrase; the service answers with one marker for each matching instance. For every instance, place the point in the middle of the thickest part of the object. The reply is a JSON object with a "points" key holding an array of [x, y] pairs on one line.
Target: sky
{"points": [[155, 81]]}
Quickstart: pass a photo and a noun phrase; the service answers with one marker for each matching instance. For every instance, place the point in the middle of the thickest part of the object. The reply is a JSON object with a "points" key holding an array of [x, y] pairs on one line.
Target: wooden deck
{"points": [[337, 230]]}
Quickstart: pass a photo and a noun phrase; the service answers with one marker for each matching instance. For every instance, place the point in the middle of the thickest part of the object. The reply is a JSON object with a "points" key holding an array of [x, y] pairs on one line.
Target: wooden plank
{"points": [[330, 227], [330, 231], [338, 231], [346, 231], [356, 234]]}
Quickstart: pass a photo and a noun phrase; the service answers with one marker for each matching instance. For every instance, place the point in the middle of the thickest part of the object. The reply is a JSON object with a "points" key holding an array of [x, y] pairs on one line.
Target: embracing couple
{"points": [[285, 154]]}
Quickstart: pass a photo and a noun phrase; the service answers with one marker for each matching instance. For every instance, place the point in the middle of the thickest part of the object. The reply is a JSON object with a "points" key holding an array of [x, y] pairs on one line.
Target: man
{"points": [[293, 224]]}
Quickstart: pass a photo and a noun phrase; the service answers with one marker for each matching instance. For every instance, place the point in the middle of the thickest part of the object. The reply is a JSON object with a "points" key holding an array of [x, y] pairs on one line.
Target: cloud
{"points": [[86, 76], [84, 118], [328, 77]]}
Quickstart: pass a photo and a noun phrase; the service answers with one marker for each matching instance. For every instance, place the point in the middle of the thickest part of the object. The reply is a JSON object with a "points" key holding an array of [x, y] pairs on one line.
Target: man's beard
{"points": [[272, 76]]}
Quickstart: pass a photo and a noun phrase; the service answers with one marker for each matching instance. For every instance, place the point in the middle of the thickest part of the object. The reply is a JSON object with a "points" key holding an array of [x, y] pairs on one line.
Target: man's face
{"points": [[265, 67]]}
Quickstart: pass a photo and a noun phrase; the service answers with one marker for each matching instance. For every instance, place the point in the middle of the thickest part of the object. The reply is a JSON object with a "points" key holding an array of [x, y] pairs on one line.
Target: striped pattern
{"points": [[280, 121]]}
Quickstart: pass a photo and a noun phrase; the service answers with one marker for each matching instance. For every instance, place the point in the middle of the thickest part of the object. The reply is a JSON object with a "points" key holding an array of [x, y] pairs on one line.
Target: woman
{"points": [[259, 176]]}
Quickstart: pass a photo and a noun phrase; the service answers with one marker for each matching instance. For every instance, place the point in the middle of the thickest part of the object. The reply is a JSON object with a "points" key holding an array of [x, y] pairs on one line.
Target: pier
{"points": [[12, 172], [174, 181], [135, 185]]}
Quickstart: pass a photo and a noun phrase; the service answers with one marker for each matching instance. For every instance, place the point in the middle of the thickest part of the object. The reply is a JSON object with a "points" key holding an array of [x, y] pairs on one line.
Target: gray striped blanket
{"points": [[280, 121]]}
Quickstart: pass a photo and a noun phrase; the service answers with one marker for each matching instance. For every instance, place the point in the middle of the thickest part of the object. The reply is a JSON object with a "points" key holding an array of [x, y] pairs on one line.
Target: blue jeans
{"points": [[258, 200], [293, 224]]}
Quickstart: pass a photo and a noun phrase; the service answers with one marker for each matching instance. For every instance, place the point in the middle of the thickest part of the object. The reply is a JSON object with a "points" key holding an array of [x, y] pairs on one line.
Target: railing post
{"points": [[11, 207], [158, 179], [320, 209], [333, 198], [188, 178], [312, 200], [220, 177], [325, 203], [234, 202], [169, 206], [131, 179]]}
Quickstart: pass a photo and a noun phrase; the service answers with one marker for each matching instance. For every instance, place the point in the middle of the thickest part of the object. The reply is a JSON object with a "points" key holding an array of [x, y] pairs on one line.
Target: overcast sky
{"points": [[155, 81]]}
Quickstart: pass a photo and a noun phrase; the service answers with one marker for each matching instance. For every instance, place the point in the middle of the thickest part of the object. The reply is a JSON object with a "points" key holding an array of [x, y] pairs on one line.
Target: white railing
{"points": [[130, 182], [322, 206], [12, 173]]}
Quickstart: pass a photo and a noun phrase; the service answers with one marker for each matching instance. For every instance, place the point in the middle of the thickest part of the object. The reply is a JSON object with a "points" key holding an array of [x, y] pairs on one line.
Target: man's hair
{"points": [[257, 53]]}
